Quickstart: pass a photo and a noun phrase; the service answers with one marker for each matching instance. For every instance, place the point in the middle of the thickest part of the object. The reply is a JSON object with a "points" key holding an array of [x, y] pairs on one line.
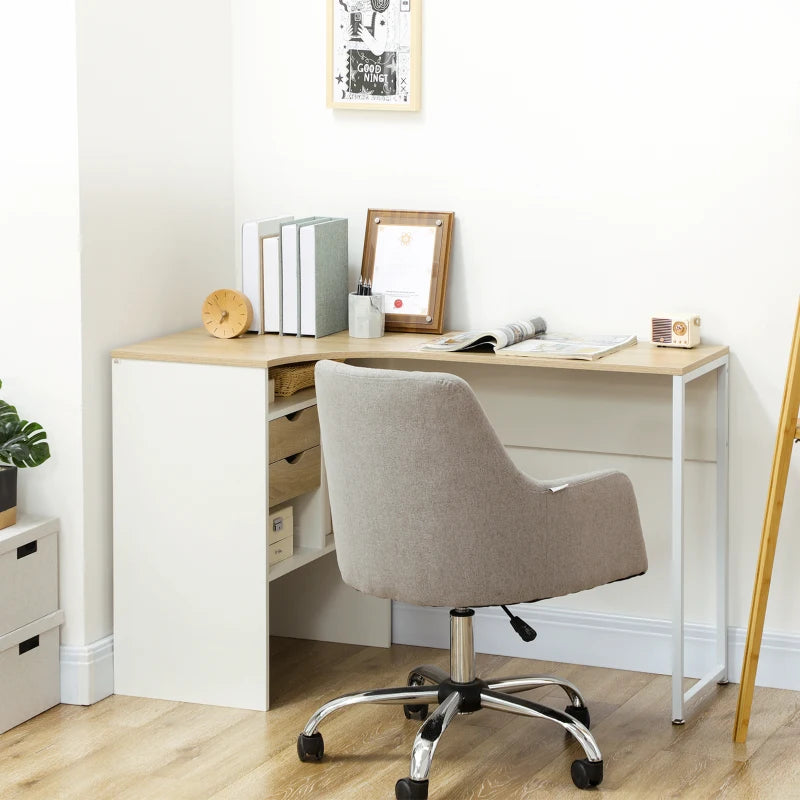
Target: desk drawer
{"points": [[293, 433], [28, 580], [294, 476]]}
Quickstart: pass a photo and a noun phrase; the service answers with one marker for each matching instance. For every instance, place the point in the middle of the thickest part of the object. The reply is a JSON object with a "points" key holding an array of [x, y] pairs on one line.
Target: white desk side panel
{"points": [[190, 546]]}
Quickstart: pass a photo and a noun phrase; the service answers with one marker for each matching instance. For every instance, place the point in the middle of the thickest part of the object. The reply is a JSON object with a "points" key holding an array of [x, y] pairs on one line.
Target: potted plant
{"points": [[22, 444]]}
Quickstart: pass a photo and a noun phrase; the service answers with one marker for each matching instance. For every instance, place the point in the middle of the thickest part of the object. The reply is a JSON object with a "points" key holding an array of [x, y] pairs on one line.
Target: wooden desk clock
{"points": [[227, 313]]}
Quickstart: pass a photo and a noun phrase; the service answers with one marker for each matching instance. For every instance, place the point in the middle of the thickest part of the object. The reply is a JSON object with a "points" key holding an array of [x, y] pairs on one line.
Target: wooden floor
{"points": [[129, 748]]}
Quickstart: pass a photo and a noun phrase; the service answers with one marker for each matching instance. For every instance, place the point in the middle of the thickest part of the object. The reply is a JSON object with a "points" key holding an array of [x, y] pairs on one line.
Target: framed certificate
{"points": [[374, 54], [406, 259]]}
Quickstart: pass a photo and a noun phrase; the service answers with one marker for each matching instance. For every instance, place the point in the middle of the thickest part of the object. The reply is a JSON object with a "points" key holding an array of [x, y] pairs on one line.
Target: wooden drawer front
{"points": [[293, 433], [294, 476], [29, 678], [28, 582], [280, 550]]}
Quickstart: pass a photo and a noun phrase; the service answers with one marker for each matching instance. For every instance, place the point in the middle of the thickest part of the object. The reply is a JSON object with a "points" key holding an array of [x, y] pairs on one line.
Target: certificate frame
{"points": [[414, 282], [373, 54]]}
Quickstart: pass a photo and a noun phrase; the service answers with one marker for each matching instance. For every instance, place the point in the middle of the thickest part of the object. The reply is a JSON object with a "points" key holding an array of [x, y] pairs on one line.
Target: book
{"points": [[556, 345], [497, 338], [290, 272], [254, 233], [273, 283], [323, 277]]}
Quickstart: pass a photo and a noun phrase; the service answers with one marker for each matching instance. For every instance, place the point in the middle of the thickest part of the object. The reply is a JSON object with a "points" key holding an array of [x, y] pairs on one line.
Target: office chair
{"points": [[428, 509]]}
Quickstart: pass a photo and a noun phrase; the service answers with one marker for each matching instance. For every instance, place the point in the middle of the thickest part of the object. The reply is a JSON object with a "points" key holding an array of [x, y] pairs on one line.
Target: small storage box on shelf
{"points": [[30, 680], [280, 532], [29, 620], [28, 572]]}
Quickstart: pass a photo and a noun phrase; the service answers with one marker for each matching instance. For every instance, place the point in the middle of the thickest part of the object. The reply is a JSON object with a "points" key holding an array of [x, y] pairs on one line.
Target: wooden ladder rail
{"points": [[788, 431]]}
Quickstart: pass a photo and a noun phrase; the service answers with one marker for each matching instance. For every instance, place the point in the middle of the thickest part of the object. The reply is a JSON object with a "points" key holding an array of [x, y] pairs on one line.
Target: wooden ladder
{"points": [[788, 432]]}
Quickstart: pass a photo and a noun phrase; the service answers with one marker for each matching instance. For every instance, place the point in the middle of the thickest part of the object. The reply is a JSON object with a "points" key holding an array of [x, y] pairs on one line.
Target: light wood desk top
{"points": [[197, 346]]}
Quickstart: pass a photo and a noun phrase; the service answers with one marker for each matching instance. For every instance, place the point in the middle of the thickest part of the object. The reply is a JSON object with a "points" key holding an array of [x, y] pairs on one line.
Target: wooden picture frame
{"points": [[407, 258], [374, 54]]}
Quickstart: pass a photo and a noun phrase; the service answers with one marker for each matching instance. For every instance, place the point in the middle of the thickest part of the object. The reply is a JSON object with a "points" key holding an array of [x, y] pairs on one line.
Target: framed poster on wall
{"points": [[374, 54]]}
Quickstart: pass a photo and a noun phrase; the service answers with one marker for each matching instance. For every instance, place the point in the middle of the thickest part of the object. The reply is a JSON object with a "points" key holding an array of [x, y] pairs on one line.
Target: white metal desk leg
{"points": [[722, 520], [678, 437]]}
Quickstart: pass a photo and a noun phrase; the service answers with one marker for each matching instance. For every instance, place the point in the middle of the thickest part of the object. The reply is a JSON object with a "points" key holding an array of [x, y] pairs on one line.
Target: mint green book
{"points": [[323, 277]]}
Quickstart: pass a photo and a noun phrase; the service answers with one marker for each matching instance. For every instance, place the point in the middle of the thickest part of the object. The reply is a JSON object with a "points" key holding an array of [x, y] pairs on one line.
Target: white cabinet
{"points": [[195, 598], [29, 620]]}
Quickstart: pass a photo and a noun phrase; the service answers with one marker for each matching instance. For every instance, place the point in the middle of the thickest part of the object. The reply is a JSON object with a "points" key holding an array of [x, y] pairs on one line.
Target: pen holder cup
{"points": [[365, 314]]}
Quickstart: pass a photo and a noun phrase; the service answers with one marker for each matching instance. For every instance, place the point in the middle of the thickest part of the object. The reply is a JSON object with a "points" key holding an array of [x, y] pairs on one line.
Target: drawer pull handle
{"points": [[295, 458], [28, 549], [29, 644]]}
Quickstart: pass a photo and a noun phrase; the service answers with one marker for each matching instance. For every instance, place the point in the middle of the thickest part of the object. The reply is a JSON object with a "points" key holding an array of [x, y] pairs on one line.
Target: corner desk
{"points": [[194, 598]]}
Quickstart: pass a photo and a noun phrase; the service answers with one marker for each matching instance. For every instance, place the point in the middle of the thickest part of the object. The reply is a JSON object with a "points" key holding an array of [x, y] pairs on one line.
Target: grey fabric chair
{"points": [[428, 509]]}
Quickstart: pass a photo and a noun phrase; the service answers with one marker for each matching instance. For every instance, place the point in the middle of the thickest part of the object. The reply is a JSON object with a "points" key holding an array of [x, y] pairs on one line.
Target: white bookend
{"points": [[253, 233]]}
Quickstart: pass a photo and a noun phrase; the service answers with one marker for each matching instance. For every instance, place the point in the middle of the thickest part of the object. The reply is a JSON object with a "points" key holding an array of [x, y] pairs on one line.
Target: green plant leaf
{"points": [[22, 443]]}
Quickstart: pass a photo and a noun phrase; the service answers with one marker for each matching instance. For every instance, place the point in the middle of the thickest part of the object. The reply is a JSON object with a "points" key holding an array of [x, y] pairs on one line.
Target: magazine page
{"points": [[555, 345], [499, 337]]}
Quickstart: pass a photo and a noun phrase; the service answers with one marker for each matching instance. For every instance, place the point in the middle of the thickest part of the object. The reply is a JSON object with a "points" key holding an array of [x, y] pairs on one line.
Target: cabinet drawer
{"points": [[29, 672], [294, 476], [280, 550], [28, 580], [293, 433]]}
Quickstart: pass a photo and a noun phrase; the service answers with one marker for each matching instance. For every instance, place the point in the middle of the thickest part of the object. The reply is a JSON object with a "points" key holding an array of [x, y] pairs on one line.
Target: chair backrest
{"points": [[413, 466], [427, 506]]}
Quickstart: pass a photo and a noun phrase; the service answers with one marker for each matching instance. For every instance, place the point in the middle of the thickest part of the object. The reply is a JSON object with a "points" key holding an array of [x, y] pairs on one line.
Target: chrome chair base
{"points": [[429, 685]]}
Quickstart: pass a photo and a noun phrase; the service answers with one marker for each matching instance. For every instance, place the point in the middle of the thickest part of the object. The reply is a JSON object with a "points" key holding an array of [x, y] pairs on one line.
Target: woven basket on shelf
{"points": [[291, 378]]}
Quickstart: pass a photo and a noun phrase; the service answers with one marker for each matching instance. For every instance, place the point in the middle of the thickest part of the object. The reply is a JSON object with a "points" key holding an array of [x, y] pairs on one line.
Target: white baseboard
{"points": [[602, 640], [87, 672]]}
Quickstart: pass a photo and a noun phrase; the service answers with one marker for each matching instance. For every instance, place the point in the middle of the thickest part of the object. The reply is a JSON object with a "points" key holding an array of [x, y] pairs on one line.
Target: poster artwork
{"points": [[371, 52]]}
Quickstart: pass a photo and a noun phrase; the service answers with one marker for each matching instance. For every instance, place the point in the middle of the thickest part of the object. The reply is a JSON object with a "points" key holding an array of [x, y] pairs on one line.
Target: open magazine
{"points": [[499, 338], [555, 345]]}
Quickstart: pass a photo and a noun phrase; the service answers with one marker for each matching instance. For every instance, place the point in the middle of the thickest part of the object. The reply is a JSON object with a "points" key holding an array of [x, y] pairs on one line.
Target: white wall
{"points": [[116, 219], [40, 323], [156, 190], [605, 162]]}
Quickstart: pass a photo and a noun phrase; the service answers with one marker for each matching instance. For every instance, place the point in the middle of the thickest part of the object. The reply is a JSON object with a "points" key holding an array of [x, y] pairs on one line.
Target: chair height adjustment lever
{"points": [[524, 631]]}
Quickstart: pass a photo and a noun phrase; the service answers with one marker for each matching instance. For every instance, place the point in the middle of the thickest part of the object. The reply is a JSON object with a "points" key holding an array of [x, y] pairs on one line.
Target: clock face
{"points": [[227, 313]]}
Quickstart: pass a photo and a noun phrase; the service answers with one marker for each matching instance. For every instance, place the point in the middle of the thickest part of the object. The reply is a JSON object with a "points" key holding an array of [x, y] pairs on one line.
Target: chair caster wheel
{"points": [[407, 789], [415, 712], [310, 748], [581, 713], [587, 773]]}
